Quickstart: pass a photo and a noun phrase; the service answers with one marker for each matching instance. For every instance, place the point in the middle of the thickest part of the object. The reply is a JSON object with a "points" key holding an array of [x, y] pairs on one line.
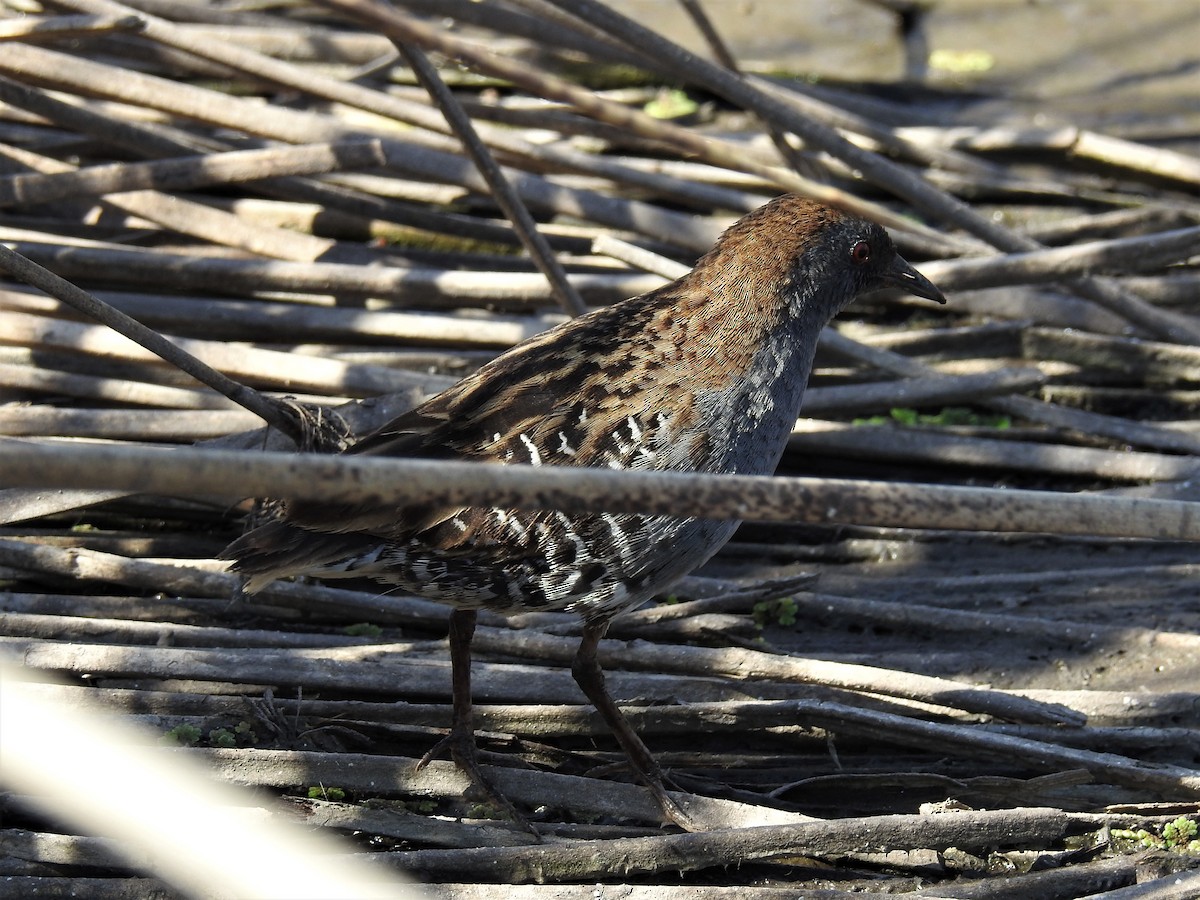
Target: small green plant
{"points": [[950, 415], [671, 104], [1182, 834], [181, 736], [242, 735], [320, 792], [962, 62], [1179, 835], [782, 611], [363, 629], [484, 811], [420, 806]]}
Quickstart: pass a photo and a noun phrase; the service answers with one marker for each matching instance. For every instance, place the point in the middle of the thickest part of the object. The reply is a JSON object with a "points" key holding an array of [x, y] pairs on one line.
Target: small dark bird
{"points": [[704, 374]]}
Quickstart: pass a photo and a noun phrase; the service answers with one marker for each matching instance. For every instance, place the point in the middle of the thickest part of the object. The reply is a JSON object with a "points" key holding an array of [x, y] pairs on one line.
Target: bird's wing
{"points": [[551, 401], [450, 426]]}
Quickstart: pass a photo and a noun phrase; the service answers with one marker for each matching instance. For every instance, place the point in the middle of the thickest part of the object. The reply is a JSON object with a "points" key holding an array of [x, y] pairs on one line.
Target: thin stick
{"points": [[1153, 361], [270, 411], [120, 424], [282, 370], [874, 167], [111, 390], [88, 77], [147, 141], [1030, 267], [186, 216], [407, 29], [375, 102], [287, 322], [943, 389], [502, 191], [690, 852], [922, 618], [192, 272], [396, 776], [720, 50], [939, 449], [188, 172], [1081, 143], [30, 28], [1142, 433], [213, 473]]}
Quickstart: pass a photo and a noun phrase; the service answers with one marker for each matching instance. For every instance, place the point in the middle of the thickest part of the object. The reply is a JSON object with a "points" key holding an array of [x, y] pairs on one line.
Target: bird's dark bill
{"points": [[904, 277]]}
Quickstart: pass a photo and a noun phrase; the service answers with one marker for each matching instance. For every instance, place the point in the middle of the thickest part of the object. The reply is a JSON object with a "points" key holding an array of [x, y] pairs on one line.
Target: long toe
{"points": [[670, 808], [462, 749]]}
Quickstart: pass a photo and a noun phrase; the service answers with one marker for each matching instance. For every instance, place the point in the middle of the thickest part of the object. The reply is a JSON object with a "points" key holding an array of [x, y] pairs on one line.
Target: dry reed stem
{"points": [[234, 475]]}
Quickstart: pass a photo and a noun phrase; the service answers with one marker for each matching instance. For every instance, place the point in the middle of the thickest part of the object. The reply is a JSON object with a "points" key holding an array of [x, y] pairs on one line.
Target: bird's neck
{"points": [[751, 417]]}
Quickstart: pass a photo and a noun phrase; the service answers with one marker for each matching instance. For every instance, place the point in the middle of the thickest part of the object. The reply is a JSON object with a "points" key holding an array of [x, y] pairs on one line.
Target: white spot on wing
{"points": [[581, 549], [510, 523], [535, 458], [620, 539]]}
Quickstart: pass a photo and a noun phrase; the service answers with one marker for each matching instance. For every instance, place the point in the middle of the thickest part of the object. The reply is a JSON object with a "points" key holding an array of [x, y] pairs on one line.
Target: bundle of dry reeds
{"points": [[979, 583]]}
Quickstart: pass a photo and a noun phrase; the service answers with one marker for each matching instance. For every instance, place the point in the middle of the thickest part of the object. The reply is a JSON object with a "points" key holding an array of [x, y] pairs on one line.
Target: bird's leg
{"points": [[460, 740], [590, 678]]}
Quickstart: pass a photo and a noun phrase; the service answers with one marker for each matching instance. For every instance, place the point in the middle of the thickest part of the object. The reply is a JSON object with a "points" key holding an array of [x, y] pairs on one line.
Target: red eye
{"points": [[861, 252]]}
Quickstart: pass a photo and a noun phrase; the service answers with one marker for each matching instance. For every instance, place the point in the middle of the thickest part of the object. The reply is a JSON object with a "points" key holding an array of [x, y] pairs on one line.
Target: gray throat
{"points": [[749, 422]]}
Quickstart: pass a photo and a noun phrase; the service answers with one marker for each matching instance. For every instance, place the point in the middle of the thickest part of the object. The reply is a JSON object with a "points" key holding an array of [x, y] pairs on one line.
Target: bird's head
{"points": [[814, 258]]}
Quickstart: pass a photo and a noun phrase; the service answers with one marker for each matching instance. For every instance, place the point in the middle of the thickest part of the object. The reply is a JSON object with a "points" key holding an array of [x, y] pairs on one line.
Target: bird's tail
{"points": [[278, 549]]}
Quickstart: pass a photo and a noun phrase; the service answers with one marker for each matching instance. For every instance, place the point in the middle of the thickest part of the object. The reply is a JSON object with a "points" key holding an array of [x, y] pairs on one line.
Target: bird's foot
{"points": [[657, 782], [461, 746]]}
